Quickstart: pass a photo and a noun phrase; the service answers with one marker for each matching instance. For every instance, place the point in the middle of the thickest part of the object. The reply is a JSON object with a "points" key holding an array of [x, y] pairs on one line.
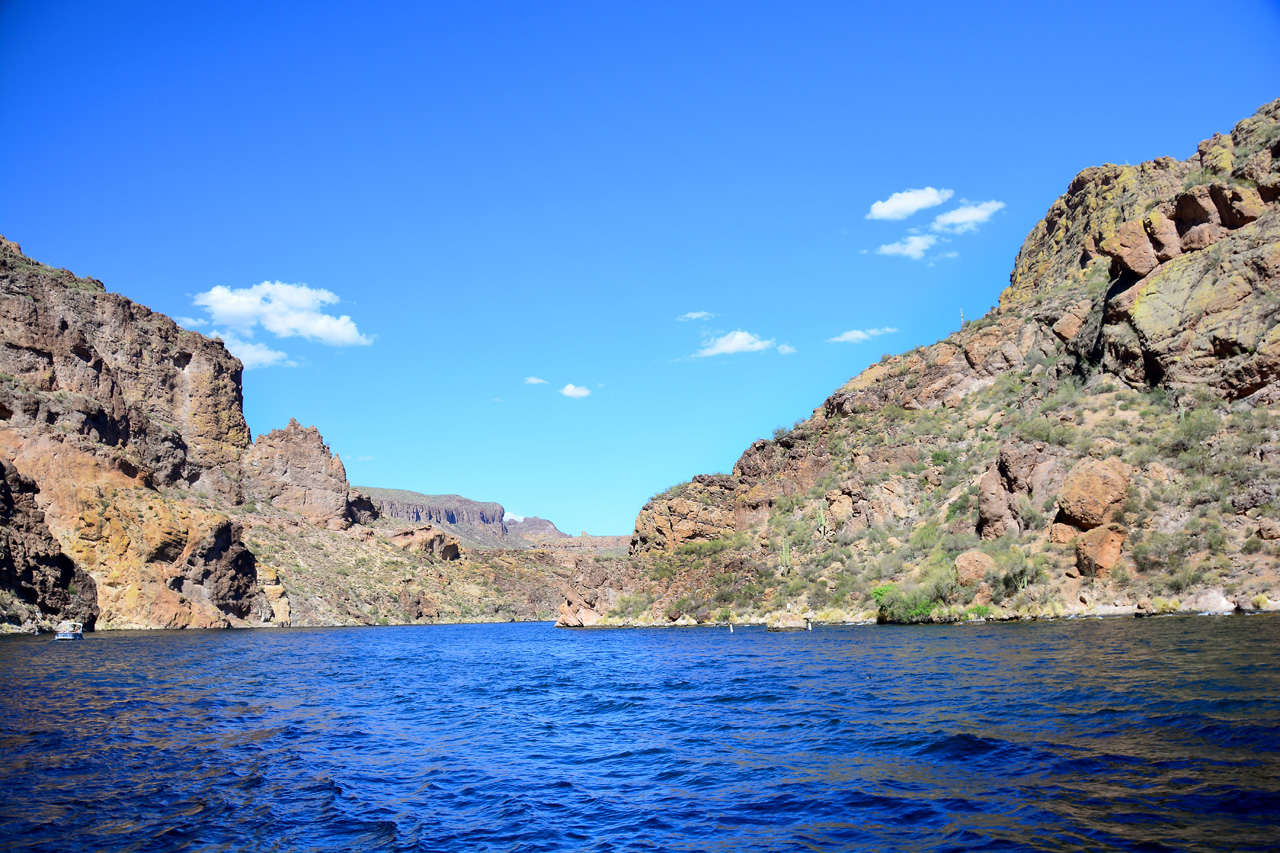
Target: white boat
{"points": [[70, 631]]}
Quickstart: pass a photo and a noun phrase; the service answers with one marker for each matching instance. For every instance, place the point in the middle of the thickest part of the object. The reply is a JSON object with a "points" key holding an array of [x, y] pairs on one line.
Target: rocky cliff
{"points": [[1102, 442]]}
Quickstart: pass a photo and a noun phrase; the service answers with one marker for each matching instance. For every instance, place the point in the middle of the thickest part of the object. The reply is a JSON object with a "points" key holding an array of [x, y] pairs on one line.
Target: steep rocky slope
{"points": [[1105, 441]]}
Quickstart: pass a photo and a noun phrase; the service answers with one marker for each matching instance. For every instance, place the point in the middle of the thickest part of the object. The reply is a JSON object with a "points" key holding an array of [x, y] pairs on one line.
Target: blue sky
{"points": [[496, 191]]}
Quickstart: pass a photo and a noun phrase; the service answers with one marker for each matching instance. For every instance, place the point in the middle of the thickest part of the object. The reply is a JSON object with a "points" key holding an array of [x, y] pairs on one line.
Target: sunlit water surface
{"points": [[1158, 734]]}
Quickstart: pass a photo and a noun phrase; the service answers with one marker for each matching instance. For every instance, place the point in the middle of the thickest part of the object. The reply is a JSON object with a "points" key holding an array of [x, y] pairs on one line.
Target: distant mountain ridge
{"points": [[479, 524]]}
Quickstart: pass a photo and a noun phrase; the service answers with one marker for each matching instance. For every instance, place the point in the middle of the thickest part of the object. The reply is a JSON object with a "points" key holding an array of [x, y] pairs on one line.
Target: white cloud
{"points": [[912, 247], [967, 217], [903, 204], [365, 458], [576, 391], [737, 341], [786, 349], [190, 322], [949, 255], [253, 354], [533, 380], [857, 336], [511, 516], [285, 310], [695, 315]]}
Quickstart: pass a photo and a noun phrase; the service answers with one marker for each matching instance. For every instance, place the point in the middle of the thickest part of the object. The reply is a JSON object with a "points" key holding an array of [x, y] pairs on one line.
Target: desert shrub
{"points": [[1252, 545], [1047, 430], [1161, 552], [961, 505]]}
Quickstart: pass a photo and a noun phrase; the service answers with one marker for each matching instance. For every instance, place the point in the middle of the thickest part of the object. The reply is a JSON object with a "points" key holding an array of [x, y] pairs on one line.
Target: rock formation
{"points": [[533, 529], [426, 539], [292, 469]]}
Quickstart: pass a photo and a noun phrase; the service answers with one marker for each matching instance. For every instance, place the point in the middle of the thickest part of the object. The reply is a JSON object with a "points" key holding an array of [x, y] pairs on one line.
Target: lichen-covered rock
{"points": [[160, 562]]}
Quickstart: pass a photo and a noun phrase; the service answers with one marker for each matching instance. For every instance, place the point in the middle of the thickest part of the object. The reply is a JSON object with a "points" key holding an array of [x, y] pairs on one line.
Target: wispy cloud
{"points": [[251, 353], [736, 341], [533, 380], [912, 247], [857, 336], [786, 349], [903, 204], [365, 458], [967, 217], [285, 310], [575, 391], [190, 322], [695, 315]]}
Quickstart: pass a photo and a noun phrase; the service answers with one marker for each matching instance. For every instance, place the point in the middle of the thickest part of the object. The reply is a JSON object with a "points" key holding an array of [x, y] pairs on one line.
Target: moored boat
{"points": [[70, 631]]}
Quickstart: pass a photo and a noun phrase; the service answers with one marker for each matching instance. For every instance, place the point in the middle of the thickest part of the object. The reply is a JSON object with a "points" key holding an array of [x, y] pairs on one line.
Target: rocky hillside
{"points": [[133, 496], [1105, 441]]}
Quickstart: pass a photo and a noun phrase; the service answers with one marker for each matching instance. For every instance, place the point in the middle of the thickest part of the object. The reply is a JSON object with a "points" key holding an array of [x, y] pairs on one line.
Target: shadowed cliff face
{"points": [[1105, 439], [39, 585]]}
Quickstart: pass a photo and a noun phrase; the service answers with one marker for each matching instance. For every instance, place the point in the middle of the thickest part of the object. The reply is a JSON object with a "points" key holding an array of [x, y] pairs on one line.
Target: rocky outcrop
{"points": [[1020, 476], [592, 590], [162, 562], [699, 511], [39, 585], [533, 529], [426, 539], [292, 469]]}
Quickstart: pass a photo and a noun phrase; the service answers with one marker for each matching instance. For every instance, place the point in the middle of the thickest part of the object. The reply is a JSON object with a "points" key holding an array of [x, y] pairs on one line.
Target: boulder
{"points": [[1098, 550], [1237, 205], [1269, 529], [972, 567], [1093, 492], [1070, 323]]}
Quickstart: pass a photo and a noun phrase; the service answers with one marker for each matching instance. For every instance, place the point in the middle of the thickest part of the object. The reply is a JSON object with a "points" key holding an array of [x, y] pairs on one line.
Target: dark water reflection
{"points": [[1091, 735]]}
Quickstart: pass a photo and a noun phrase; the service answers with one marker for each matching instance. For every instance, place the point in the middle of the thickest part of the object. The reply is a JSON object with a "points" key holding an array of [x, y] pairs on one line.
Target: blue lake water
{"points": [[1158, 734]]}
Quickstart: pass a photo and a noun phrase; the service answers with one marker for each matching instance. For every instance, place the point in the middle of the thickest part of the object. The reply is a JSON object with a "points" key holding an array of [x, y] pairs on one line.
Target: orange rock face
{"points": [[1098, 550], [1092, 492]]}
